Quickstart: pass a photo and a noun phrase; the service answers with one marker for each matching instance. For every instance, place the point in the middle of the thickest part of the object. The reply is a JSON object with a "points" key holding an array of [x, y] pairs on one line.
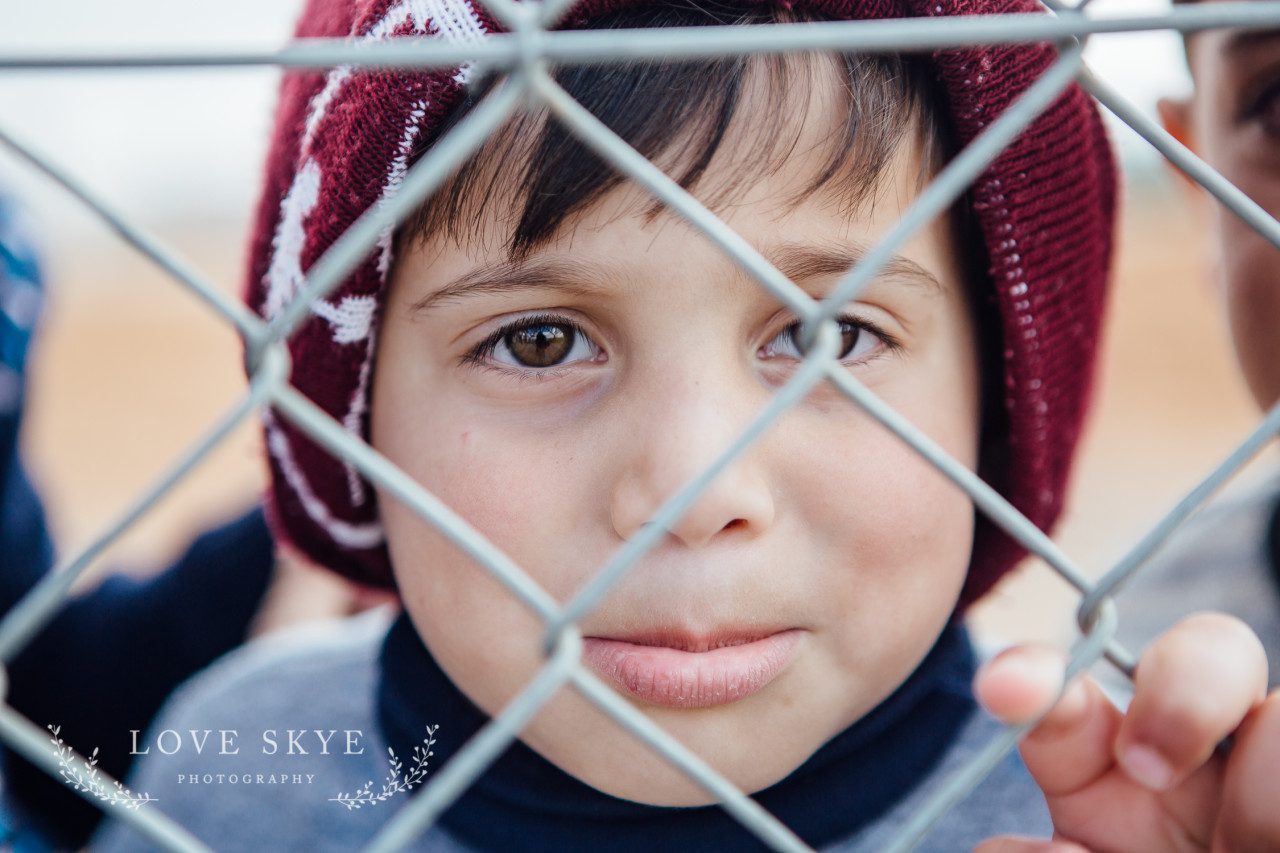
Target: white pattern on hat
{"points": [[456, 21], [356, 536], [416, 11], [319, 105], [350, 318], [395, 179], [284, 276], [354, 421]]}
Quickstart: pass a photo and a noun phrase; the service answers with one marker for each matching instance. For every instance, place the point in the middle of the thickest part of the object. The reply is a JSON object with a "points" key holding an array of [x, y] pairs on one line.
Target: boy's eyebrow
{"points": [[509, 276], [799, 262], [796, 262]]}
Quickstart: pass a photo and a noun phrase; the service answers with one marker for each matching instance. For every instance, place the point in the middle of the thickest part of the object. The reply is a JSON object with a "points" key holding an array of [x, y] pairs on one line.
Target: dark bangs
{"points": [[677, 115]]}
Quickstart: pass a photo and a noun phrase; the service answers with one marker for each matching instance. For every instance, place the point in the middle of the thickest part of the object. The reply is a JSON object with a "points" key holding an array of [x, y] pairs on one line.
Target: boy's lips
{"points": [[683, 670]]}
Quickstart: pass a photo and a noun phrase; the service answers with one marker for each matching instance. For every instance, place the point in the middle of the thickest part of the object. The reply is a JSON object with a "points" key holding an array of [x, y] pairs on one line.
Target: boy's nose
{"points": [[668, 449]]}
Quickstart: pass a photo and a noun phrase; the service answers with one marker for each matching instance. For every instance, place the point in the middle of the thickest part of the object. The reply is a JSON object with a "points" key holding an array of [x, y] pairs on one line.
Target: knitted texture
{"points": [[343, 140]]}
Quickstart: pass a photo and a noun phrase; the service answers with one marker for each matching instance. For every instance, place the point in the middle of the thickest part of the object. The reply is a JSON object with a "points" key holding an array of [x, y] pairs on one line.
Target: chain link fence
{"points": [[522, 55]]}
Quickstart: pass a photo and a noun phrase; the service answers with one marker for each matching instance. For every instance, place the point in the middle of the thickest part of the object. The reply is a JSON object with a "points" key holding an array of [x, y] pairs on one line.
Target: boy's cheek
{"points": [[472, 623], [898, 539], [896, 524], [526, 497]]}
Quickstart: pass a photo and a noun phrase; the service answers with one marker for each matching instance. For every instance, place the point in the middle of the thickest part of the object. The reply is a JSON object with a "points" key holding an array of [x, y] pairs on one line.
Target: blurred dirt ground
{"points": [[131, 370]]}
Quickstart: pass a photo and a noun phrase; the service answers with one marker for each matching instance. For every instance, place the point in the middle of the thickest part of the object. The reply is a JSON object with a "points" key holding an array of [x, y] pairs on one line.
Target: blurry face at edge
{"points": [[1233, 121], [556, 406]]}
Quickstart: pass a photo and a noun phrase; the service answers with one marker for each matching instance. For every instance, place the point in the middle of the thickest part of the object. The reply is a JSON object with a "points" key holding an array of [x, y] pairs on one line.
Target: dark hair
{"points": [[677, 114]]}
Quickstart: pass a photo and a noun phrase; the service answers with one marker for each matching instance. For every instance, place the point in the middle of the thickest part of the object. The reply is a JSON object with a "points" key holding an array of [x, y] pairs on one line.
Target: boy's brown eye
{"points": [[541, 345]]}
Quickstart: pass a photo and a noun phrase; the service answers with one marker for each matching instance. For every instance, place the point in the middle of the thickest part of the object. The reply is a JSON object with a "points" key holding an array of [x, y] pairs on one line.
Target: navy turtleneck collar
{"points": [[525, 802]]}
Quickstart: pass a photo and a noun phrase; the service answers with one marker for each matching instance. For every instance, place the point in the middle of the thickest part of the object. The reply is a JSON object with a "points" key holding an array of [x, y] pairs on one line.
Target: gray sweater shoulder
{"points": [[296, 713], [1217, 561], [1005, 802]]}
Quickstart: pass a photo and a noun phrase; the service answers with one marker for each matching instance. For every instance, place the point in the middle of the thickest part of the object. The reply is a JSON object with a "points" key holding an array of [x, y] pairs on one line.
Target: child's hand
{"points": [[1149, 778]]}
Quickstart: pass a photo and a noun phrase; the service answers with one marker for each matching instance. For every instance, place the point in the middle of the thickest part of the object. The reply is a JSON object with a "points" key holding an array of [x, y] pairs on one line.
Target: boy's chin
{"points": [[654, 782], [750, 750]]}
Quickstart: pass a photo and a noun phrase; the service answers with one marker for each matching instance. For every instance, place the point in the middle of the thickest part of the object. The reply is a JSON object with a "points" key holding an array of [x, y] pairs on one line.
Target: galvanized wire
{"points": [[581, 47], [524, 54]]}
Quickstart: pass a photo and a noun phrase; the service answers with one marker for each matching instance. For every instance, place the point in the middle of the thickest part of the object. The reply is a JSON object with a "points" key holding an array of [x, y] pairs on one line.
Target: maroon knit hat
{"points": [[343, 141]]}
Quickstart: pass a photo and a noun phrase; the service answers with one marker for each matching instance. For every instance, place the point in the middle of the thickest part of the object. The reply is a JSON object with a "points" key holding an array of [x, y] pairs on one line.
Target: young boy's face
{"points": [[1233, 121], [557, 404]]}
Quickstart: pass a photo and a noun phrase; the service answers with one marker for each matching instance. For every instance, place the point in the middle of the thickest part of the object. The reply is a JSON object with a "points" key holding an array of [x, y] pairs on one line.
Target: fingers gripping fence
{"points": [[523, 55]]}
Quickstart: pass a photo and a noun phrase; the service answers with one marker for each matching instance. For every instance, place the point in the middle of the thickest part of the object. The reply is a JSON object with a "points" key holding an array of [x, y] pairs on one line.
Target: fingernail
{"points": [[1146, 767]]}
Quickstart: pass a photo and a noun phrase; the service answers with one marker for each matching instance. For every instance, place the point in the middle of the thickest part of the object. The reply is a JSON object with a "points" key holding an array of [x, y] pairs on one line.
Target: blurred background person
{"points": [[1228, 557], [106, 662]]}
